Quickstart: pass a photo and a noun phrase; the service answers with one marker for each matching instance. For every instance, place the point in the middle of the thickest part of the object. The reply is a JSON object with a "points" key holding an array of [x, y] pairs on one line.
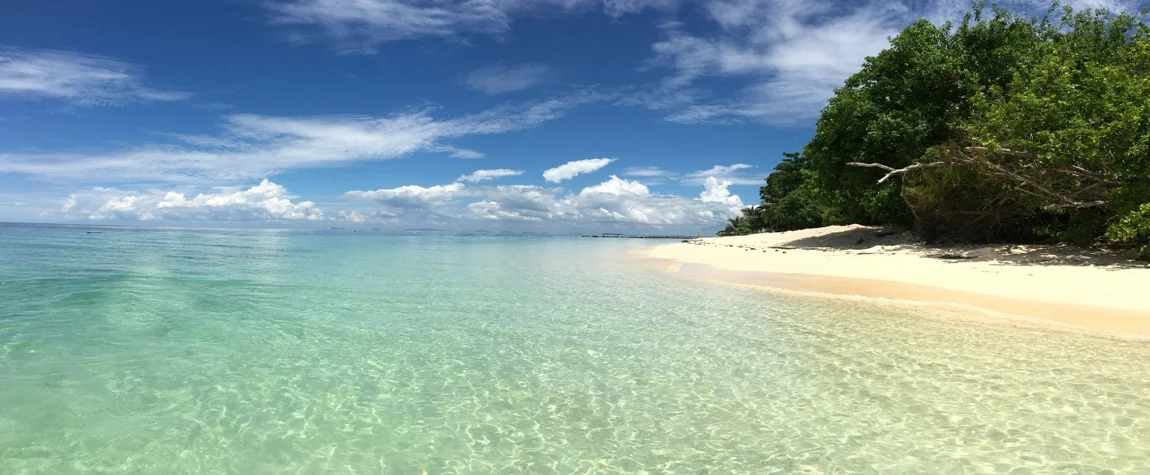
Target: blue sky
{"points": [[555, 115]]}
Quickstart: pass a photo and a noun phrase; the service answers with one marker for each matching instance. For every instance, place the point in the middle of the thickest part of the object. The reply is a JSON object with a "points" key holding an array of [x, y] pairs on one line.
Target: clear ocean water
{"points": [[160, 351]]}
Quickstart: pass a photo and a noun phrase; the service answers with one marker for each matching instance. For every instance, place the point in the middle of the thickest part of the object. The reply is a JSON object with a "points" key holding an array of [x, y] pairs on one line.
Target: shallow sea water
{"points": [[159, 351]]}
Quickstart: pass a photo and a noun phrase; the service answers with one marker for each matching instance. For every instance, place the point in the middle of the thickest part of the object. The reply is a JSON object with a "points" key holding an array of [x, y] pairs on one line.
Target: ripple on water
{"points": [[514, 356]]}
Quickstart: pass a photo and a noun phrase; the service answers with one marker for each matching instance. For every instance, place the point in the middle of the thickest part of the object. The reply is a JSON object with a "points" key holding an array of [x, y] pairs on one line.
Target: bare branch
{"points": [[1076, 205], [1067, 202], [1080, 172], [870, 165], [1047, 187], [897, 171], [1074, 170], [1004, 151]]}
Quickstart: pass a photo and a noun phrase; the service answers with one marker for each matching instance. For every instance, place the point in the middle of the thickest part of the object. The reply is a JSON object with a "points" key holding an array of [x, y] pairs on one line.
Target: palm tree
{"points": [[735, 226], [755, 217]]}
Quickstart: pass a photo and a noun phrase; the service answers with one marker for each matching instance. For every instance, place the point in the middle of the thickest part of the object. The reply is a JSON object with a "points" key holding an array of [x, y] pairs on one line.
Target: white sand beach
{"points": [[1100, 291]]}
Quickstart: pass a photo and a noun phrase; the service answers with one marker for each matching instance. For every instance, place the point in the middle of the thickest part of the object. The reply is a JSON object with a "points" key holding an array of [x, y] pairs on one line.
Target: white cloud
{"points": [[493, 210], [412, 196], [1112, 5], [494, 80], [624, 201], [517, 203], [793, 54], [255, 146], [358, 217], [648, 172], [693, 57], [77, 78], [651, 176], [263, 202], [721, 170], [465, 153], [726, 173], [482, 175], [618, 187], [789, 55], [616, 201], [572, 169], [532, 200], [361, 25], [715, 191]]}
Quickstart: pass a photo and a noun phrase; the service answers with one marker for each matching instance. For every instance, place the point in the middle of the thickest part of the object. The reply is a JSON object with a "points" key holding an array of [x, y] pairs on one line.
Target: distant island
{"points": [[640, 236]]}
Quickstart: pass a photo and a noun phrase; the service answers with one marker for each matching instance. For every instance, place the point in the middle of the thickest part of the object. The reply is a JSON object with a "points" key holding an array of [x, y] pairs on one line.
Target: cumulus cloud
{"points": [[411, 196], [617, 187], [483, 175], [266, 201], [732, 174], [493, 210], [529, 199], [572, 169], [361, 25], [517, 203], [359, 217], [80, 79], [500, 79], [715, 191], [255, 146], [615, 201]]}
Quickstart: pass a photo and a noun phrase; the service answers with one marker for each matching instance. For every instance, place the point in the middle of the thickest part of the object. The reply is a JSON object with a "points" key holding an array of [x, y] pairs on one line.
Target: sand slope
{"points": [[1048, 276]]}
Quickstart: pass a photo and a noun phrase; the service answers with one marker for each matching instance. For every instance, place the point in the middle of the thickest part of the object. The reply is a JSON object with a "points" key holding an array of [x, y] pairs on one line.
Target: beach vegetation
{"points": [[998, 128]]}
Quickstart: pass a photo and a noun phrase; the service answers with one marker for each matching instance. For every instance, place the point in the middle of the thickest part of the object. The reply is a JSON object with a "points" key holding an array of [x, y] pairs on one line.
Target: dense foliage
{"points": [[1003, 128]]}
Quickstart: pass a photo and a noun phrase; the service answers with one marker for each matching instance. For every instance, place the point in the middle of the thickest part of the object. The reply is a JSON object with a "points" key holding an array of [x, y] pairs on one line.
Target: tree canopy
{"points": [[1000, 128]]}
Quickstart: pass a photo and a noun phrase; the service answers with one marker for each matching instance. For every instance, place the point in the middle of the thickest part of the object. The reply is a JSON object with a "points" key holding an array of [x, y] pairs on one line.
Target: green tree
{"points": [[1073, 126], [1003, 128], [792, 198], [902, 103]]}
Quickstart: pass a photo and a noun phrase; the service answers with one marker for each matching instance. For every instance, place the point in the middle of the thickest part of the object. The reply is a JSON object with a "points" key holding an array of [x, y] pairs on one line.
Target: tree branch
{"points": [[1075, 205], [897, 171], [1020, 179], [1004, 151]]}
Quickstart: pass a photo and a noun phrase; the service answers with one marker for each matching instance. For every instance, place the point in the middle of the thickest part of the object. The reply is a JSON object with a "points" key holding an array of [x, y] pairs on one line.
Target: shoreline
{"points": [[1062, 286]]}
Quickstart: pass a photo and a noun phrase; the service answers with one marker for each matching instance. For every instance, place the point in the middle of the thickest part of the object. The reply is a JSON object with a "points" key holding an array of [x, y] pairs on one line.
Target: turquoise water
{"points": [[137, 351]]}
